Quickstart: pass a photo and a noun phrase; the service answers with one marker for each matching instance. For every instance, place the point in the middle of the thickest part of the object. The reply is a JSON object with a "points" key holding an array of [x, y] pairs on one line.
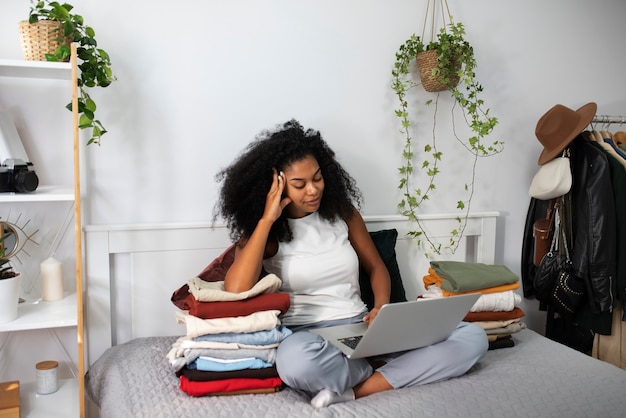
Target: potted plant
{"points": [[454, 70], [94, 62], [9, 285]]}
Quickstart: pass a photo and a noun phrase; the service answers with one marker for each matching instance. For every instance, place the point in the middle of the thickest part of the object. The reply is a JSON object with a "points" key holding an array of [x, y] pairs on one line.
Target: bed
{"points": [[132, 270]]}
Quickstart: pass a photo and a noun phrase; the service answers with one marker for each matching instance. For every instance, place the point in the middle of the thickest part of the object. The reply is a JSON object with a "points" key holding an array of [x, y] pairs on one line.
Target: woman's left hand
{"points": [[369, 318]]}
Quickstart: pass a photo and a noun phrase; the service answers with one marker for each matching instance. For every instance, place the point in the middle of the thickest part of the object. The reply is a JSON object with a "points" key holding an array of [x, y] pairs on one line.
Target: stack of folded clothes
{"points": [[231, 339], [497, 310]]}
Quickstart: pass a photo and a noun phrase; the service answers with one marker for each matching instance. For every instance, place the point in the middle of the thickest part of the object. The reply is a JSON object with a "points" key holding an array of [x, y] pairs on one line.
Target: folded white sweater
{"points": [[488, 302], [205, 291]]}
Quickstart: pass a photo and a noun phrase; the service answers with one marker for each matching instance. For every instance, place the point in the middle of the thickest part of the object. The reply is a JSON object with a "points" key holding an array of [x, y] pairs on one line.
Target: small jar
{"points": [[47, 379]]}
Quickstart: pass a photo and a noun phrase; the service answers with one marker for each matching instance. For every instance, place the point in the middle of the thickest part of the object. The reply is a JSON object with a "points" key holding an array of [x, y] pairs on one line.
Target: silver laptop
{"points": [[401, 326]]}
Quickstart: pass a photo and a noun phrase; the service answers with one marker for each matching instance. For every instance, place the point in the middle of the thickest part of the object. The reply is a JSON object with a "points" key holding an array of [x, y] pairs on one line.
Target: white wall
{"points": [[199, 78]]}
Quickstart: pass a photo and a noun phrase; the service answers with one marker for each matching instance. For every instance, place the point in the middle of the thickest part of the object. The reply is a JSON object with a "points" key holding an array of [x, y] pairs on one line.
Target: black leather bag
{"points": [[554, 281], [569, 293], [546, 276]]}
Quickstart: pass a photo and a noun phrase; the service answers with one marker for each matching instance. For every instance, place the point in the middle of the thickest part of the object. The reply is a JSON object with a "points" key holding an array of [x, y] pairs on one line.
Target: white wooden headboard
{"points": [[132, 270]]}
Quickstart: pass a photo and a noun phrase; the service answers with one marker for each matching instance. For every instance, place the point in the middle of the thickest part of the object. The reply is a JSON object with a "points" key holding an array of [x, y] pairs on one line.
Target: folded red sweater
{"points": [[494, 316], [264, 302], [198, 388]]}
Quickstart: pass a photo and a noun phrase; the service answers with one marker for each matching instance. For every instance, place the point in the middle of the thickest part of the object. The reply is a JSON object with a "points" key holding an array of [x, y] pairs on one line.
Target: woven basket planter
{"points": [[41, 38], [426, 61]]}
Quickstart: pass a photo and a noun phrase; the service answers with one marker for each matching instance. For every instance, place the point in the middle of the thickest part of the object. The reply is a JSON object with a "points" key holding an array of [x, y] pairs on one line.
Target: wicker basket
{"points": [[40, 38], [426, 61]]}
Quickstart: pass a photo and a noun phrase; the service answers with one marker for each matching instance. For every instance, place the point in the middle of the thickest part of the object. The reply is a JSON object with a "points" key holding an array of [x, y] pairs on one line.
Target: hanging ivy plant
{"points": [[455, 70], [94, 62]]}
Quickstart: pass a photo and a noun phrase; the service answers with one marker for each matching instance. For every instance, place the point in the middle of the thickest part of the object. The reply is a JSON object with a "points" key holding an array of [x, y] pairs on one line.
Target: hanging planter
{"points": [[440, 61], [428, 67], [93, 61], [41, 38], [445, 63]]}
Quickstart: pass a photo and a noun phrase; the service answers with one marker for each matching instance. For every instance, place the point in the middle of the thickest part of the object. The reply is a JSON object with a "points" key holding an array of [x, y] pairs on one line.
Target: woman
{"points": [[290, 207]]}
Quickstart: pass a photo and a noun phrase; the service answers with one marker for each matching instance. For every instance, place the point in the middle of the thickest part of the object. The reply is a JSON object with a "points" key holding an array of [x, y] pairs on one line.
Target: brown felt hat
{"points": [[559, 126]]}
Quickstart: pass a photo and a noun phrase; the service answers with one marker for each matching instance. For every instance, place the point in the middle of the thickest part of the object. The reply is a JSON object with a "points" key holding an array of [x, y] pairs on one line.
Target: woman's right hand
{"points": [[275, 202], [245, 270]]}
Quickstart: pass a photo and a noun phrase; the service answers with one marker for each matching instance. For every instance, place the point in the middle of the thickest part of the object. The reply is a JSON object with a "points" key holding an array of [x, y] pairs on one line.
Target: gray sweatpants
{"points": [[307, 362]]}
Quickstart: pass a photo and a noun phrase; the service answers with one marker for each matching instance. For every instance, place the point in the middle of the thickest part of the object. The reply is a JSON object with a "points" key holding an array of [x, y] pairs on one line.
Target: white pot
{"points": [[9, 298]]}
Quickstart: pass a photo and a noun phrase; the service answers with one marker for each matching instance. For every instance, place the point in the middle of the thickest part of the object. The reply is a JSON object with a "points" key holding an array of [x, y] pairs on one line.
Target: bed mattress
{"points": [[535, 377]]}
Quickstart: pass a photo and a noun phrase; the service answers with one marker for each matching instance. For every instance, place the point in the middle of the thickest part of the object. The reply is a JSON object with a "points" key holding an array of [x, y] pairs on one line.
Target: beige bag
{"points": [[553, 179]]}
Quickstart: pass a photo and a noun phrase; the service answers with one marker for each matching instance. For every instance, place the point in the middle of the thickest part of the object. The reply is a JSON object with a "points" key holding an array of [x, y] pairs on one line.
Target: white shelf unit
{"points": [[39, 314], [68, 401], [61, 404], [42, 194], [36, 69]]}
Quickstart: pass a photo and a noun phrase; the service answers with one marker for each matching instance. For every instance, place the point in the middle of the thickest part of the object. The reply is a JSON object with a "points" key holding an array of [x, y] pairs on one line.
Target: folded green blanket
{"points": [[462, 276]]}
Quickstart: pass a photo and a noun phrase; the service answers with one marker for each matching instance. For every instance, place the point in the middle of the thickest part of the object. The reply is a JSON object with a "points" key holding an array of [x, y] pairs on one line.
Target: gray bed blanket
{"points": [[535, 378]]}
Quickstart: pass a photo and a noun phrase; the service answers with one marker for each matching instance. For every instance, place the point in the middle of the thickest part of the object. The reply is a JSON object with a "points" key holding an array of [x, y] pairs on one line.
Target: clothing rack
{"points": [[608, 119]]}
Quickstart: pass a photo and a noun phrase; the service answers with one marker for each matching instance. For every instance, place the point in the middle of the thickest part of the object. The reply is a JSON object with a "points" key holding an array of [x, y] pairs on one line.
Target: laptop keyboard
{"points": [[351, 342]]}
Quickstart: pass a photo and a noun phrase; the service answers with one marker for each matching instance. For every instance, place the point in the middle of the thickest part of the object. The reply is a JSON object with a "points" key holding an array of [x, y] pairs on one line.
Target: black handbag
{"points": [[569, 292], [546, 276], [554, 281]]}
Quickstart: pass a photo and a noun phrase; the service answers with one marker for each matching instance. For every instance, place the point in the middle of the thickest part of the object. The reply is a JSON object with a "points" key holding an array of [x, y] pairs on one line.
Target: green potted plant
{"points": [[454, 71], [94, 62], [6, 270], [9, 285]]}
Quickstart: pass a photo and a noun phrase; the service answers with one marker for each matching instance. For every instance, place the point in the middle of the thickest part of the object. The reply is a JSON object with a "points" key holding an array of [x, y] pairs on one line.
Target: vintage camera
{"points": [[18, 176]]}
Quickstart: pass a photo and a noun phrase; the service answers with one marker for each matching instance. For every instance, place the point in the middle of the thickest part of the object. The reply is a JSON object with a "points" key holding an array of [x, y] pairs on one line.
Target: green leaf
{"points": [[68, 28], [84, 121], [90, 105]]}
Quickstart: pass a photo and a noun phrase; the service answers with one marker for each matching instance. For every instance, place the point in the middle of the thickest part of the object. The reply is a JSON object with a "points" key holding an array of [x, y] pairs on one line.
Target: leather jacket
{"points": [[593, 227]]}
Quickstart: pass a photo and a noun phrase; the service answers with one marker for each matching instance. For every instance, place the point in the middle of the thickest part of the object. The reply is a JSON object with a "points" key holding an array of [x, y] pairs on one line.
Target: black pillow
{"points": [[385, 242]]}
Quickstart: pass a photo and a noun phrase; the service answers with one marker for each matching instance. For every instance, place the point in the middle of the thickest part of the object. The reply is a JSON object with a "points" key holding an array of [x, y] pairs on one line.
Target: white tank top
{"points": [[320, 270]]}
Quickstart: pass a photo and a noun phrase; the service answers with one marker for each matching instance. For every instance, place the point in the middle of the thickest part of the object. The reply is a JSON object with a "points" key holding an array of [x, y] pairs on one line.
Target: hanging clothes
{"points": [[593, 248], [597, 202], [612, 348], [620, 139], [605, 143], [617, 169]]}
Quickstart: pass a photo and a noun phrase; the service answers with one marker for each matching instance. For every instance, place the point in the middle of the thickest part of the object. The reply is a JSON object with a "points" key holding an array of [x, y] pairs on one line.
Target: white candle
{"points": [[51, 279]]}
